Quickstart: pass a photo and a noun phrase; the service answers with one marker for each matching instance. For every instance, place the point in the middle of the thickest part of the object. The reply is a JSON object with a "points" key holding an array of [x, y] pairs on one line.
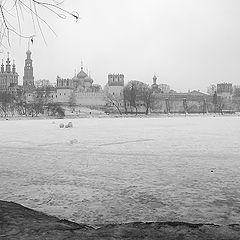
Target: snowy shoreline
{"points": [[152, 115]]}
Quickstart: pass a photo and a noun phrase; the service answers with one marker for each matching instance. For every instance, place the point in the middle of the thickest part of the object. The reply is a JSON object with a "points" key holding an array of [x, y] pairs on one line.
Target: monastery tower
{"points": [[28, 79], [116, 84]]}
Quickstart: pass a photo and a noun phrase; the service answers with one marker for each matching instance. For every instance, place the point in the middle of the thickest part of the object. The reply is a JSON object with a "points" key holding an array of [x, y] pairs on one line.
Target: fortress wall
{"points": [[62, 95], [176, 106], [193, 106], [81, 98], [88, 99]]}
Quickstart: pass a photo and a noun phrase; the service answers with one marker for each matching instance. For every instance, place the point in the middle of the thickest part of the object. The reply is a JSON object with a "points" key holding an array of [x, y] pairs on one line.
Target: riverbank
{"points": [[19, 222], [103, 115]]}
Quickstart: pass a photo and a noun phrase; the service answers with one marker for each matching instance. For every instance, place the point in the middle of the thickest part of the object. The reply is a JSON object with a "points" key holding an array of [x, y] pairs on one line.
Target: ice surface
{"points": [[121, 170]]}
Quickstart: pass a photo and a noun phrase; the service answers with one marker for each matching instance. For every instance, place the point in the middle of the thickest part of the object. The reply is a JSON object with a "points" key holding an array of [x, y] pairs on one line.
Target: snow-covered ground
{"points": [[124, 169]]}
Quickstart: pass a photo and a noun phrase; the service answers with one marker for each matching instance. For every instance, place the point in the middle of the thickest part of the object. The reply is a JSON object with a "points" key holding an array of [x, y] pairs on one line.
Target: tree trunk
{"points": [[125, 107], [119, 111], [147, 109]]}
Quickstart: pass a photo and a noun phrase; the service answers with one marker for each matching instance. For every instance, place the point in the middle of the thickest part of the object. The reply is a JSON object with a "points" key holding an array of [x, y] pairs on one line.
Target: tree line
{"points": [[18, 103]]}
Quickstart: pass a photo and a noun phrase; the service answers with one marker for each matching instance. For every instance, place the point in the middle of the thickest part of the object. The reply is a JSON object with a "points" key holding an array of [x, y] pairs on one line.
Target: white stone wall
{"points": [[116, 91], [90, 99], [62, 95], [84, 99]]}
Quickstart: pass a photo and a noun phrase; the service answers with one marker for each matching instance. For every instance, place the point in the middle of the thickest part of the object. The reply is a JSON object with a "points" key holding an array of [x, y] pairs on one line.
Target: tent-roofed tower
{"points": [[28, 78]]}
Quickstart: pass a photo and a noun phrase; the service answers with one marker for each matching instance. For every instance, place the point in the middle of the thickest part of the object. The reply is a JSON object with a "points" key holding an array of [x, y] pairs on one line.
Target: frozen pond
{"points": [[121, 170]]}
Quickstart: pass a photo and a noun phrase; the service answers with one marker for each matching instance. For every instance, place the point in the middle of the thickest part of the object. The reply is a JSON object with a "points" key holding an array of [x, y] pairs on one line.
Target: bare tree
{"points": [[220, 105], [21, 102], [55, 109], [13, 12], [43, 83], [236, 91], [215, 101], [167, 105], [129, 94], [205, 107], [211, 89], [114, 101], [6, 102], [146, 95], [136, 92], [36, 107], [40, 99], [185, 106], [126, 97], [72, 102]]}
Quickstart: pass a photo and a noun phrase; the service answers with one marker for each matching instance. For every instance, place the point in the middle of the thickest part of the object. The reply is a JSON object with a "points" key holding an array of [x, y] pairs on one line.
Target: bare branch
{"points": [[13, 12]]}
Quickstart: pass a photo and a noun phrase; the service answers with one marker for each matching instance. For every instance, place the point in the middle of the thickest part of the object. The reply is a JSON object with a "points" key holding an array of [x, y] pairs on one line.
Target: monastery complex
{"points": [[84, 92], [81, 90]]}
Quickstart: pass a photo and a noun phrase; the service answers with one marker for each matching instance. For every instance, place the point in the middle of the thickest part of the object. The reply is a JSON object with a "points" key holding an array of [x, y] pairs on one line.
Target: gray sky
{"points": [[189, 44]]}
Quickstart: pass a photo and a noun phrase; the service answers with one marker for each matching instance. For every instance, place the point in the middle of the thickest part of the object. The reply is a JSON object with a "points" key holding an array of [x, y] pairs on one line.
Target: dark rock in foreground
{"points": [[18, 222]]}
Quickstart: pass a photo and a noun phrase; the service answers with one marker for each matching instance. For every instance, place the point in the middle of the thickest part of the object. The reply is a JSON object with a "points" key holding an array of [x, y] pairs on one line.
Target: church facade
{"points": [[79, 90], [8, 76]]}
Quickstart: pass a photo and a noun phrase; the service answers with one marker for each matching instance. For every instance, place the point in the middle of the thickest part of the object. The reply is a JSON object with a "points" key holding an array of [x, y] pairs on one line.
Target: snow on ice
{"points": [[124, 169]]}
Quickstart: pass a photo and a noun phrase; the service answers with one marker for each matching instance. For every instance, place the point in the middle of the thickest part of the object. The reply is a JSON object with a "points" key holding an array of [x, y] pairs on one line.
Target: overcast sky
{"points": [[189, 44]]}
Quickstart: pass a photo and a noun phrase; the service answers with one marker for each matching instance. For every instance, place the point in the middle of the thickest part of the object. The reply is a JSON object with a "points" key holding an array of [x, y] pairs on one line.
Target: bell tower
{"points": [[116, 85], [28, 78]]}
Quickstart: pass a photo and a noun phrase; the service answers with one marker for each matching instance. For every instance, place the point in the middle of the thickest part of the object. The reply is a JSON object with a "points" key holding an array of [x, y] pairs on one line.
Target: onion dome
{"points": [[82, 74], [88, 79]]}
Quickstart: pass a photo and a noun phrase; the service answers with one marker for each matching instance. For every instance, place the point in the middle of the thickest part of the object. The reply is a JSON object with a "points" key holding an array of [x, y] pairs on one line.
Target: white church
{"points": [[81, 90]]}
